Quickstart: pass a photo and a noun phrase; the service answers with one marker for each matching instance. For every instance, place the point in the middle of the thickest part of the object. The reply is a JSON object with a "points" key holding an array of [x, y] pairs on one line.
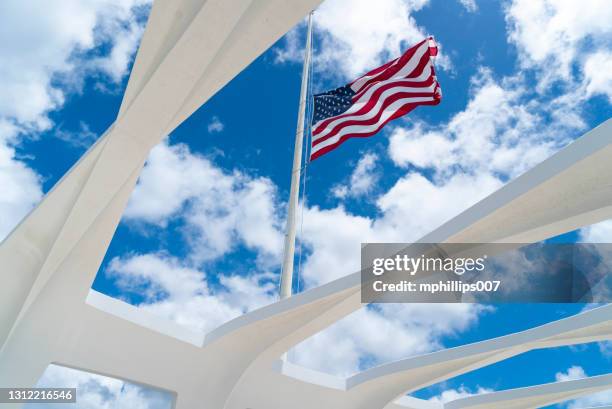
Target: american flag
{"points": [[364, 106]]}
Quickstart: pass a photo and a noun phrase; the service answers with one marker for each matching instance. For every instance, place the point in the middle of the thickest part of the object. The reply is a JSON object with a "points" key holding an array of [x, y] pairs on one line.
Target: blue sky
{"points": [[200, 241]]}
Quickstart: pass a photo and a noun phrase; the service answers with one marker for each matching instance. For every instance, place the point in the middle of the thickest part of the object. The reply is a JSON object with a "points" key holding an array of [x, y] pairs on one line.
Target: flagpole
{"points": [[286, 282]]}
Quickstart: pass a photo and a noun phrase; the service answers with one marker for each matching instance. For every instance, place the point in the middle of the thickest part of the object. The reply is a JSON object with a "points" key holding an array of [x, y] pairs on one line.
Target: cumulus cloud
{"points": [[35, 53], [577, 372], [591, 401], [100, 392], [411, 208], [415, 205], [43, 54], [566, 41], [350, 44], [598, 74], [218, 208], [572, 374], [363, 338], [171, 289], [122, 25], [21, 186], [361, 181], [367, 36], [501, 131]]}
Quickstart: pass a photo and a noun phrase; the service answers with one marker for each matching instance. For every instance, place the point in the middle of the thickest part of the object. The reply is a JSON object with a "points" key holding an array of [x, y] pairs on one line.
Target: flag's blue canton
{"points": [[332, 103]]}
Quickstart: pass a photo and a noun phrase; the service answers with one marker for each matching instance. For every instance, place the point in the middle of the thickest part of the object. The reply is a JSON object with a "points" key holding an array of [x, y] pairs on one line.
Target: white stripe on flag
{"points": [[372, 111], [361, 129]]}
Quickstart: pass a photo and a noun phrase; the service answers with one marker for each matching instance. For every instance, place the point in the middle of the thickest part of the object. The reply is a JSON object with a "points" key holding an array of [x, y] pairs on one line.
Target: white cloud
{"points": [[37, 47], [41, 54], [100, 392], [598, 74], [411, 208], [215, 125], [591, 401], [362, 180], [415, 205], [219, 209], [597, 233], [333, 238], [459, 393], [21, 186], [499, 132], [183, 294], [123, 28], [367, 36], [170, 177], [565, 41], [573, 373], [350, 44], [364, 335], [577, 372]]}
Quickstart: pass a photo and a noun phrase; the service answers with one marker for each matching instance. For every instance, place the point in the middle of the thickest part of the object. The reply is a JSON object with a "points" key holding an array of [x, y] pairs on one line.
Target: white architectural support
{"points": [[191, 48]]}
